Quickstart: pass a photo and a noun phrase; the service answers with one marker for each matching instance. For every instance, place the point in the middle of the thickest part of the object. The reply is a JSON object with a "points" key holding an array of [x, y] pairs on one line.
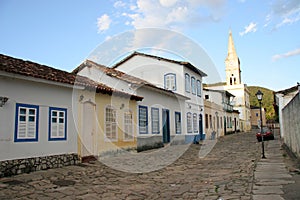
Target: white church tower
{"points": [[235, 85]]}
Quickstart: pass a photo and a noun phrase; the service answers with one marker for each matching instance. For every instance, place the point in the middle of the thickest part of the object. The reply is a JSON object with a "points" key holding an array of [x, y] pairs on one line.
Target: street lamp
{"points": [[259, 96]]}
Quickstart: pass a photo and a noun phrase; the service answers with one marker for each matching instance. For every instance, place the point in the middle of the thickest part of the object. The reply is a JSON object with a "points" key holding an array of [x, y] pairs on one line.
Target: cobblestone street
{"points": [[225, 173]]}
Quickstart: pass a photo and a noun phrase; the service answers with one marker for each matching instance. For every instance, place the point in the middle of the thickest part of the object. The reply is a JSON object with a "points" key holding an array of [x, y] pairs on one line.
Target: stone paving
{"points": [[226, 172], [271, 174]]}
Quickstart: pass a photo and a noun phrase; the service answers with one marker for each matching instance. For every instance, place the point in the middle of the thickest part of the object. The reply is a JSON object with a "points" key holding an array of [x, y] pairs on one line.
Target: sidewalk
{"points": [[271, 174]]}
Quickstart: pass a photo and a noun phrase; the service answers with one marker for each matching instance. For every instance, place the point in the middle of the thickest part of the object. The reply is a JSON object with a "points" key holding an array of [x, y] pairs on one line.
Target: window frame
{"points": [[187, 80], [195, 123], [146, 117], [199, 88], [178, 123], [113, 124], [17, 137], [156, 122], [165, 81], [65, 117], [128, 125], [193, 85], [189, 122]]}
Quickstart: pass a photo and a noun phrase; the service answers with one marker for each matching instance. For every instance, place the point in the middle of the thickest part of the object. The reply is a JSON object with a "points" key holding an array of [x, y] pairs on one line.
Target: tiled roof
{"points": [[35, 70], [184, 63], [289, 90], [122, 76]]}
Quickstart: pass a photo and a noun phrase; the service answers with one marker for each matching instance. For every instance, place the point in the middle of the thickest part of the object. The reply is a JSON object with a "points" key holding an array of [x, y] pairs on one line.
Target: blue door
{"points": [[166, 125]]}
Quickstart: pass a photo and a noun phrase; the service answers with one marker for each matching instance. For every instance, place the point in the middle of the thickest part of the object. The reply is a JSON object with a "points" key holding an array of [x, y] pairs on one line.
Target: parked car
{"points": [[267, 134]]}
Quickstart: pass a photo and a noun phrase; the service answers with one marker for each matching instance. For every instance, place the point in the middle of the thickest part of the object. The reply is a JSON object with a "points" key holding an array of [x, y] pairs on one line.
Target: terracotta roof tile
{"points": [[31, 69]]}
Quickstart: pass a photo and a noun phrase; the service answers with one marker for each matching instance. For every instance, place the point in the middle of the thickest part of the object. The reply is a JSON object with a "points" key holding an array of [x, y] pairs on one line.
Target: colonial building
{"points": [[179, 77], [234, 85], [220, 117], [158, 118], [46, 116]]}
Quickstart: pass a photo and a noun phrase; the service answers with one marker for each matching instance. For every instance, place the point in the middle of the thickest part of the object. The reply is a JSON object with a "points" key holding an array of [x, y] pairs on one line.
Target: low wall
{"points": [[291, 125], [27, 165]]}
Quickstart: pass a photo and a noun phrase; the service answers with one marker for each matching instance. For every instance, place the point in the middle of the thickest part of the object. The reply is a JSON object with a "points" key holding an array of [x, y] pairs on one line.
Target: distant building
{"points": [[235, 86], [255, 116], [220, 117]]}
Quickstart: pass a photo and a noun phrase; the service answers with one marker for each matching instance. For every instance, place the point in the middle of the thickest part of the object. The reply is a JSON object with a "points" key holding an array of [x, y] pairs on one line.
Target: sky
{"points": [[63, 33]]}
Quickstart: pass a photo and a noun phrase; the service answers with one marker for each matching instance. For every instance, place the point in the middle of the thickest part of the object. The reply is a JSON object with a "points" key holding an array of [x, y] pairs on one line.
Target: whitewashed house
{"points": [[159, 114], [37, 126], [180, 77], [282, 98]]}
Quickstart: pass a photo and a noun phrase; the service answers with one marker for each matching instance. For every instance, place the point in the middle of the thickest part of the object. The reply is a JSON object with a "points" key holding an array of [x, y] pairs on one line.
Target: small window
{"points": [[155, 120], [170, 82], [206, 96], [193, 85], [195, 123], [199, 88], [187, 83], [189, 122], [26, 123], [57, 124], [128, 126], [178, 122], [110, 123], [143, 120]]}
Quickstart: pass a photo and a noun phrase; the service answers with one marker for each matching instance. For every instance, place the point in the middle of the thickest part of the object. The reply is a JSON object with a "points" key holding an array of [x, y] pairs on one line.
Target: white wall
{"points": [[43, 95]]}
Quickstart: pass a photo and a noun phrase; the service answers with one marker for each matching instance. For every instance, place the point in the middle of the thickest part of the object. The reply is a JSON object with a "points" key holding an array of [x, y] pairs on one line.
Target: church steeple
{"points": [[231, 50], [232, 62]]}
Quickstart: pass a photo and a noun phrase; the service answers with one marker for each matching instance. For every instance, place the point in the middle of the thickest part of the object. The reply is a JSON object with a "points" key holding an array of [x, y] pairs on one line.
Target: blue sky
{"points": [[63, 33]]}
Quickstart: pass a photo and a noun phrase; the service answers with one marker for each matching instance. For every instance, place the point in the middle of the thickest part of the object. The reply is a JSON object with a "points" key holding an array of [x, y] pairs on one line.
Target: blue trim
{"points": [[199, 88], [187, 86], [50, 122], [16, 139], [170, 74], [187, 124], [152, 109], [143, 107], [178, 113], [193, 86]]}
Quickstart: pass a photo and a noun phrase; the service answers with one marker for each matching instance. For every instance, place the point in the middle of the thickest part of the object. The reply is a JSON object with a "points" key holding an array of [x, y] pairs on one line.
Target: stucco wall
{"points": [[43, 95], [291, 124]]}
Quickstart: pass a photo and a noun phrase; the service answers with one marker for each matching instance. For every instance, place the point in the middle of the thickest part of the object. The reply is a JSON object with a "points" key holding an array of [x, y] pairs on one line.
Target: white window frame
{"points": [[110, 117], [193, 85], [187, 83], [195, 123], [199, 88], [26, 130], [155, 120], [57, 124], [189, 124], [143, 119], [177, 122], [128, 126], [170, 81]]}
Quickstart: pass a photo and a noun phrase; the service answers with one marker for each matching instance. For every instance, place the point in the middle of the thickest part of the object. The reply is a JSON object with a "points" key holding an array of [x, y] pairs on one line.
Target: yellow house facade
{"points": [[106, 123]]}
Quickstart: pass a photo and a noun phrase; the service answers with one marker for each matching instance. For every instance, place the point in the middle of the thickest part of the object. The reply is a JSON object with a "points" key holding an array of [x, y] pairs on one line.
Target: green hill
{"points": [[267, 101]]}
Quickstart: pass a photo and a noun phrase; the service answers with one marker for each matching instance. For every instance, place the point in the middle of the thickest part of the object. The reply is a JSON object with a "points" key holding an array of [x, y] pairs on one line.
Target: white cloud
{"points": [[287, 54], [103, 23], [119, 4], [252, 27], [167, 3], [283, 13], [173, 13]]}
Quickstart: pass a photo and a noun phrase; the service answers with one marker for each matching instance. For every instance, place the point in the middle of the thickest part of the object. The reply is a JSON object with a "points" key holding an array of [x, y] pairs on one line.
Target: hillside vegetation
{"points": [[267, 101]]}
